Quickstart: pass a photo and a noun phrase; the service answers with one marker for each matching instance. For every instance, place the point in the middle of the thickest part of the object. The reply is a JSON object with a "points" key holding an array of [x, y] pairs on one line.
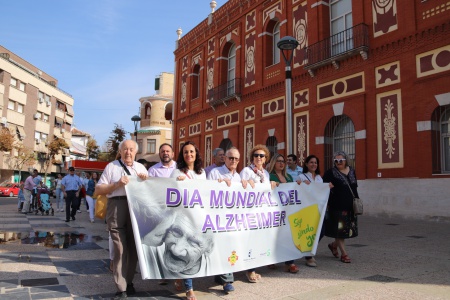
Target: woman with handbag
{"points": [[340, 221]]}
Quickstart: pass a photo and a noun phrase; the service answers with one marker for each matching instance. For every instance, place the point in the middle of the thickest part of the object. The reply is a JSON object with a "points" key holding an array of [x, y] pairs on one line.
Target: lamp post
{"points": [[135, 119], [287, 45]]}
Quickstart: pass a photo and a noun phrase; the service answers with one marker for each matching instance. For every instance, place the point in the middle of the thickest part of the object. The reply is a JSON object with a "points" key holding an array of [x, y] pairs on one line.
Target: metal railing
{"points": [[230, 90], [344, 43]]}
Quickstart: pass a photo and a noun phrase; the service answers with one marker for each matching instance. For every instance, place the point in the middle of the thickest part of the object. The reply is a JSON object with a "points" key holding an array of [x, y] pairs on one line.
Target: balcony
{"points": [[350, 42], [225, 92]]}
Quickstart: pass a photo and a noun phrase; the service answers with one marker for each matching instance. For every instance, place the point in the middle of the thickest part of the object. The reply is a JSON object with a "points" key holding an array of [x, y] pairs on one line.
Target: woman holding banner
{"points": [[278, 173], [340, 222], [255, 173], [189, 166]]}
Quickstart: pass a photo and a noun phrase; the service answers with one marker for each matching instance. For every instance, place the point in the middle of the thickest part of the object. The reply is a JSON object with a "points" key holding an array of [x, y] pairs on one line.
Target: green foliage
{"points": [[92, 148], [6, 140], [117, 135]]}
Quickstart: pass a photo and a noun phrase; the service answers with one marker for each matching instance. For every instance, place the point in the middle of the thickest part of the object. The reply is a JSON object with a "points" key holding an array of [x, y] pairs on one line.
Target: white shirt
{"points": [[309, 178], [224, 173], [247, 174], [190, 174], [114, 171]]}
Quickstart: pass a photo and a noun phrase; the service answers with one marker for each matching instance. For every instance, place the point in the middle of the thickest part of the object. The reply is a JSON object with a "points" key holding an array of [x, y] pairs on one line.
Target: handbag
{"points": [[358, 207]]}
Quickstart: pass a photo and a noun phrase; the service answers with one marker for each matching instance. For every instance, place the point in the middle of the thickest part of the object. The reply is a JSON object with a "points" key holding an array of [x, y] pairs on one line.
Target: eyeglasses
{"points": [[339, 160], [255, 155], [281, 161], [232, 158]]}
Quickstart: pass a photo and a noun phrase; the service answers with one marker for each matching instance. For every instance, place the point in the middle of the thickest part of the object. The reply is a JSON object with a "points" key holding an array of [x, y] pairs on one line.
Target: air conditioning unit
{"points": [[4, 121], [36, 116], [38, 141], [48, 103], [41, 100], [63, 130]]}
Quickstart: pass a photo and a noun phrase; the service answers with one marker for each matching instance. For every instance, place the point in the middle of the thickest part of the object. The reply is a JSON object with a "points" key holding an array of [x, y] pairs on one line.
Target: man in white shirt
{"points": [[219, 160], [292, 168], [167, 164]]}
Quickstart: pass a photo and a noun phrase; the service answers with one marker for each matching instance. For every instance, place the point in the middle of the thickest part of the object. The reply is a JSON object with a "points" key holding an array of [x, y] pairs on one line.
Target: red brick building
{"points": [[370, 77]]}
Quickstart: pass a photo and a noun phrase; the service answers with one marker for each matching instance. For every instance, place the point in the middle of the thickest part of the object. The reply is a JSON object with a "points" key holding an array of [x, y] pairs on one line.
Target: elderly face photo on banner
{"points": [[181, 227]]}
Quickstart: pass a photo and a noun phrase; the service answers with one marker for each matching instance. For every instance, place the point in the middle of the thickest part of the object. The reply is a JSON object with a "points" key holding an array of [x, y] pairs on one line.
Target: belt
{"points": [[72, 191], [119, 198]]}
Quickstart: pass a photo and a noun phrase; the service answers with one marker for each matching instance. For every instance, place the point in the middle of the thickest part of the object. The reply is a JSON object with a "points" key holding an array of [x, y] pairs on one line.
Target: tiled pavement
{"points": [[46, 258]]}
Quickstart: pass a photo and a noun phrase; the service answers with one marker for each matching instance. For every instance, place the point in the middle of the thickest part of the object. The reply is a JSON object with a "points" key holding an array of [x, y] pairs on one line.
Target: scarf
{"points": [[258, 173]]}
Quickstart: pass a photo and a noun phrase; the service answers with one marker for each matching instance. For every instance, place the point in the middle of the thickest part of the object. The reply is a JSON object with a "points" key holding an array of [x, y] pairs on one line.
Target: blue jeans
{"points": [[59, 199], [188, 284]]}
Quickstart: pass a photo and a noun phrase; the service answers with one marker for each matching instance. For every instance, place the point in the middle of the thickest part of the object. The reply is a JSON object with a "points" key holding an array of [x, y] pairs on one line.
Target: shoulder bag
{"points": [[358, 208]]}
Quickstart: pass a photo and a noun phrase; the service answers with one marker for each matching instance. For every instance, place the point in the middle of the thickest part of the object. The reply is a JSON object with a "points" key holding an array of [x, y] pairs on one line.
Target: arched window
{"points": [[147, 111], [168, 111], [195, 82], [339, 136], [231, 73], [276, 39], [271, 39], [226, 144], [440, 138], [272, 145]]}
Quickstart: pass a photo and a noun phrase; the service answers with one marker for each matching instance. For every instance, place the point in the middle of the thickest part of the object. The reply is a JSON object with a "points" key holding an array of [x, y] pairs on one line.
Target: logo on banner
{"points": [[304, 227], [233, 258]]}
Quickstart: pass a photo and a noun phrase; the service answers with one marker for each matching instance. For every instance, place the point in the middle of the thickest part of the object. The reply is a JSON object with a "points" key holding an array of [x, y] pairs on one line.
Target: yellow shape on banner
{"points": [[304, 227]]}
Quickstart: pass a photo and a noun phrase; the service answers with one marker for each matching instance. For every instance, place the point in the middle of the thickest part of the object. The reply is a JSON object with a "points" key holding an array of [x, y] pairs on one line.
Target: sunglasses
{"points": [[339, 160], [232, 158], [258, 155]]}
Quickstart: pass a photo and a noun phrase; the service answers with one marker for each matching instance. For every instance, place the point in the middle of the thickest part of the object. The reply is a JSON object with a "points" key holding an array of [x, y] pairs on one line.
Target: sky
{"points": [[105, 53]]}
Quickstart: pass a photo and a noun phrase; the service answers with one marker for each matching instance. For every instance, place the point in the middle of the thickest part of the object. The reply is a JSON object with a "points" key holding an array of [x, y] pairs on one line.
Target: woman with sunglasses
{"points": [[278, 173], [256, 174], [341, 223]]}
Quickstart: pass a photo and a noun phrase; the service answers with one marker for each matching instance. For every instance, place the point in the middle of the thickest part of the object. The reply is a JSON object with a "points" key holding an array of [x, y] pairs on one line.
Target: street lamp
{"points": [[287, 45], [135, 119]]}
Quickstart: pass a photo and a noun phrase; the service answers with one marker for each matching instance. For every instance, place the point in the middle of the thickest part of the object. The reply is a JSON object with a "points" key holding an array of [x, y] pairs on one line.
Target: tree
{"points": [[54, 148], [117, 135], [25, 158], [92, 149], [6, 140]]}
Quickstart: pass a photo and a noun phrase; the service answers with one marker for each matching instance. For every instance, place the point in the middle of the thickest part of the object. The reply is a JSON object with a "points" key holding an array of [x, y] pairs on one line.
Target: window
{"points": [[440, 137], [339, 136], [168, 111], [276, 39], [37, 135], [38, 115], [195, 82], [40, 95], [341, 20], [151, 146], [44, 136], [22, 86], [60, 106], [11, 105], [47, 98], [148, 111], [13, 82], [20, 108], [45, 118], [139, 144], [226, 144], [231, 75], [272, 145]]}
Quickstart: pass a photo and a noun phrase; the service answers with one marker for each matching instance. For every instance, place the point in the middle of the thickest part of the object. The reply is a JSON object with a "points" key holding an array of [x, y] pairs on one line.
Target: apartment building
{"points": [[369, 77], [36, 111]]}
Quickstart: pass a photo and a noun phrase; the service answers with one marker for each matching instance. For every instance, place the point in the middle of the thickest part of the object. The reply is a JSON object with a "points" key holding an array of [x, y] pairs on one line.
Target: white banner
{"points": [[196, 228]]}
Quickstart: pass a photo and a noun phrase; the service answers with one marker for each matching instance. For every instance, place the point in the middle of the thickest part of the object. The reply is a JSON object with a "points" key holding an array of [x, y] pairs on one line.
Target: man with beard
{"points": [[166, 166]]}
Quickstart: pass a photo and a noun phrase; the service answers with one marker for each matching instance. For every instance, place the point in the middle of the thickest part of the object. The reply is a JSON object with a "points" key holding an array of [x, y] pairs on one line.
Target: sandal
{"points": [[345, 259], [190, 295], [179, 286], [292, 269], [333, 250], [253, 277]]}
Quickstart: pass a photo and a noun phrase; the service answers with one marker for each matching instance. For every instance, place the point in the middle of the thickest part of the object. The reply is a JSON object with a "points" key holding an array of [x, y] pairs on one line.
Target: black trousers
{"points": [[71, 202]]}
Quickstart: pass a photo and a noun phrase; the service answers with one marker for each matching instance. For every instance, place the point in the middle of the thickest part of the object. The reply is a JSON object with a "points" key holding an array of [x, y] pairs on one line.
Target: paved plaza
{"points": [[46, 258]]}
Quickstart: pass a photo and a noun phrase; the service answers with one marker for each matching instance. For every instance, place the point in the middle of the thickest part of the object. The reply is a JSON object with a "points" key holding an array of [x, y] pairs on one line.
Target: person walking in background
{"points": [[256, 174], [71, 185], [90, 190], [20, 198], [59, 194], [341, 223], [277, 171], [292, 168], [28, 188], [189, 166], [219, 160], [166, 165], [112, 184], [311, 173]]}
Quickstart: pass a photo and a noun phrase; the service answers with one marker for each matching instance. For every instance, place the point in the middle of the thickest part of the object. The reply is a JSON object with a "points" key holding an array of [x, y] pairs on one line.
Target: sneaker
{"points": [[228, 287], [62, 210], [130, 289], [92, 220], [79, 211], [120, 295]]}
